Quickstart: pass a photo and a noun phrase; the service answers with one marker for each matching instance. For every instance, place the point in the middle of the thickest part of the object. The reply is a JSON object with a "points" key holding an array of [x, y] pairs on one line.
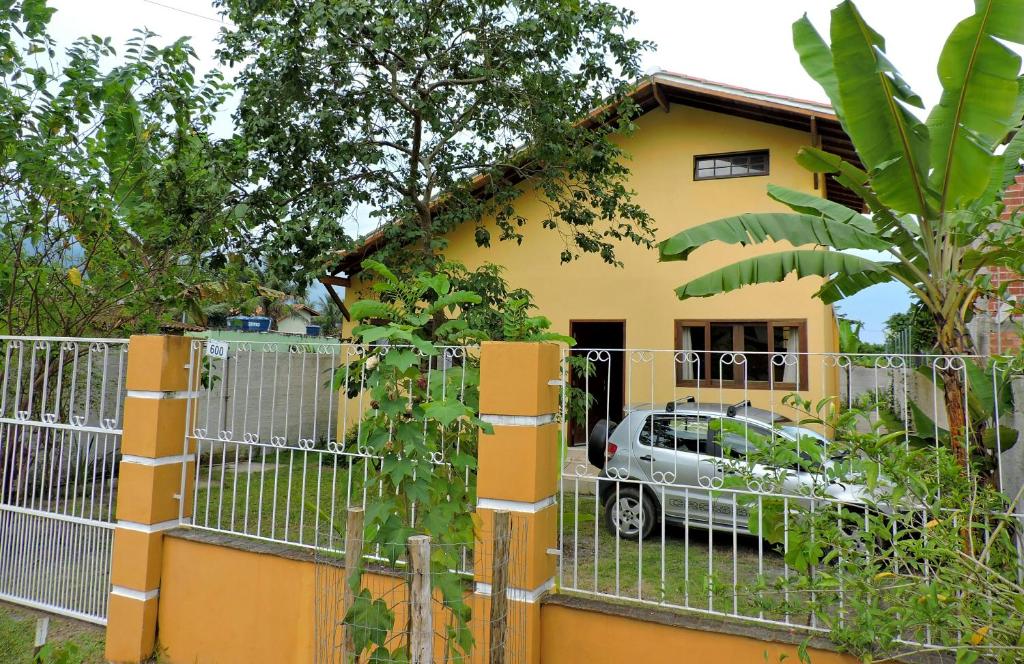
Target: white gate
{"points": [[60, 437]]}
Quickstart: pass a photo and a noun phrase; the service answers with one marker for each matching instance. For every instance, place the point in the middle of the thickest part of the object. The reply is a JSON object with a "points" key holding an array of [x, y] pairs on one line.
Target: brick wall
{"points": [[1007, 339]]}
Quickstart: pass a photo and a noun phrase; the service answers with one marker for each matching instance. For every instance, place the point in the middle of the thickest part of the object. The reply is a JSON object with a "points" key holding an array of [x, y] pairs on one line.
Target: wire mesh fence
{"points": [[413, 608]]}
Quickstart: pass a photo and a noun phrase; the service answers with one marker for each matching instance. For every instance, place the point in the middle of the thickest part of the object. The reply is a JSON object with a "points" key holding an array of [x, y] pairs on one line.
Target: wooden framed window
{"points": [[774, 353], [730, 165]]}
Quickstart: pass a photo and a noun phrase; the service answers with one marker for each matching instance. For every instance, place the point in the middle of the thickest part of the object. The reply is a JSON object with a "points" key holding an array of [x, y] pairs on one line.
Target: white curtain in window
{"points": [[686, 345], [791, 372]]}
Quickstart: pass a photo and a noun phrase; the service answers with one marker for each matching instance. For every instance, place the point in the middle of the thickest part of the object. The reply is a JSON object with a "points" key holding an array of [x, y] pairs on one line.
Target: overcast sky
{"points": [[743, 42]]}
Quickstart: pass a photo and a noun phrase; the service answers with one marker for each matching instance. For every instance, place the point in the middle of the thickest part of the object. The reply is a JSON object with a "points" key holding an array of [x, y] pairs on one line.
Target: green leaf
{"points": [[797, 229], [768, 521], [967, 656], [816, 58], [369, 621], [380, 270], [773, 268], [450, 328], [1000, 438], [453, 300], [376, 333], [1006, 19], [805, 203], [423, 346], [401, 359], [924, 425], [364, 309], [446, 412], [439, 283], [1008, 167], [890, 140], [979, 98], [843, 285], [393, 407], [851, 177], [397, 469], [981, 389]]}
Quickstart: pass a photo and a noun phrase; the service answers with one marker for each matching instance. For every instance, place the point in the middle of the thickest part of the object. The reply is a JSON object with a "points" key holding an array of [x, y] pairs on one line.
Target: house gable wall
{"points": [[642, 292]]}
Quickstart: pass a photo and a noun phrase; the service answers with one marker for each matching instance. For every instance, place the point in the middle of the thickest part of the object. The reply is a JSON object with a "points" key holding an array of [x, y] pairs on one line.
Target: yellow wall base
{"points": [[224, 605], [576, 635]]}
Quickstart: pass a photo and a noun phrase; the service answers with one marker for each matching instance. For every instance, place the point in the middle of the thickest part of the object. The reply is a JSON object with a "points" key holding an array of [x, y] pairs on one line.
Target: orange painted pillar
{"points": [[148, 488], [518, 472]]}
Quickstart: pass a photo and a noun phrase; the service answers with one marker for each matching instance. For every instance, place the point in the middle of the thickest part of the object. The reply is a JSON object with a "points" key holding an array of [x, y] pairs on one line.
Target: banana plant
{"points": [[990, 408], [932, 187]]}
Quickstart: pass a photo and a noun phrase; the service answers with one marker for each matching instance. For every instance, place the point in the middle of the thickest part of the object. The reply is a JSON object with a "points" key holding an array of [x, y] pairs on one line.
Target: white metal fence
{"points": [[275, 429], [60, 432], [688, 511]]}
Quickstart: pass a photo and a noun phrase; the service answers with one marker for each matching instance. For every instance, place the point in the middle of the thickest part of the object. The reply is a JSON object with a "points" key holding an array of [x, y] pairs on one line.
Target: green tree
{"points": [[428, 114], [422, 385], [932, 188], [916, 324], [850, 342], [116, 209], [422, 426], [330, 319]]}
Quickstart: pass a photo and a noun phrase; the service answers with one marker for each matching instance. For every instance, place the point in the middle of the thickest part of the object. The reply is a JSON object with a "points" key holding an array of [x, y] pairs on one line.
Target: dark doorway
{"points": [[607, 383]]}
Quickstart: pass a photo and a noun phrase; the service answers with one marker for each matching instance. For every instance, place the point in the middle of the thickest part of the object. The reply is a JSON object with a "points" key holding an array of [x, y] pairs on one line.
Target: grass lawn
{"points": [[289, 495], [76, 642], [673, 567], [283, 495]]}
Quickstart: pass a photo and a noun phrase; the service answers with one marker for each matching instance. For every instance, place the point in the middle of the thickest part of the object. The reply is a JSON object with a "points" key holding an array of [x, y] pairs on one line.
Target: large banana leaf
{"points": [[773, 268], [816, 58], [1007, 167], [890, 140], [989, 398], [843, 284], [754, 228], [979, 97], [805, 203], [855, 179], [900, 231]]}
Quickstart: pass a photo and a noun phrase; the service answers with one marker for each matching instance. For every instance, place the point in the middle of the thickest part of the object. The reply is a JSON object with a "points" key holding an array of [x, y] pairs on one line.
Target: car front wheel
{"points": [[629, 514]]}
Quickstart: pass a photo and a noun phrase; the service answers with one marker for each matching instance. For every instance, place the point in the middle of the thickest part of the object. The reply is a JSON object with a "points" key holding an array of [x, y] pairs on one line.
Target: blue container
{"points": [[258, 324], [312, 330], [250, 323]]}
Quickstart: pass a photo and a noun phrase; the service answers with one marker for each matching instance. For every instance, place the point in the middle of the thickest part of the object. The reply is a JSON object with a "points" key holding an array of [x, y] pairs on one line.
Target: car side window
{"points": [[738, 443], [676, 432]]}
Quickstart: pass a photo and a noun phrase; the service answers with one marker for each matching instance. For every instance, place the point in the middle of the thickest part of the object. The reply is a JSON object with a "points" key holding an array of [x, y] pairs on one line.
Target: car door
{"points": [[673, 453], [732, 508]]}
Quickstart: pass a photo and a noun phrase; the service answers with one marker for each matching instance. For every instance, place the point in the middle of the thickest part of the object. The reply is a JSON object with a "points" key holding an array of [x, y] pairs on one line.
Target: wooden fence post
{"points": [[42, 633], [499, 585], [421, 629], [353, 561]]}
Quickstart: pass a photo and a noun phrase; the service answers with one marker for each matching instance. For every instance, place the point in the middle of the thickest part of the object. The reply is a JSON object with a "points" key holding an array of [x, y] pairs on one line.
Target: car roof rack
{"points": [[731, 410], [671, 405]]}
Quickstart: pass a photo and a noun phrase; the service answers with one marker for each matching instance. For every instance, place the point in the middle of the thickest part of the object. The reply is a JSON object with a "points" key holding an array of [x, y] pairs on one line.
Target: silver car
{"points": [[667, 462]]}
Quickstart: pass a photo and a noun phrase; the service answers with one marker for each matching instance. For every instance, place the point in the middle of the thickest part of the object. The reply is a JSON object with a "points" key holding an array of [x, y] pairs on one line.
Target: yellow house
{"points": [[701, 151]]}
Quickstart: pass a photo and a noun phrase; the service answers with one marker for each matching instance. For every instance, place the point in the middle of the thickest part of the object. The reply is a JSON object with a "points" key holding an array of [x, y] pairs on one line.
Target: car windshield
{"points": [[738, 438], [797, 432]]}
